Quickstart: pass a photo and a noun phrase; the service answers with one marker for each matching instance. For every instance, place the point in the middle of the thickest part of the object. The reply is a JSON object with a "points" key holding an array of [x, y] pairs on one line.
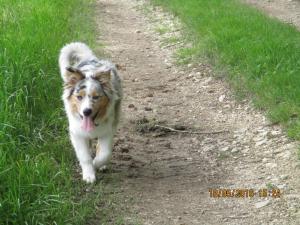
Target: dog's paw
{"points": [[88, 174], [89, 177]]}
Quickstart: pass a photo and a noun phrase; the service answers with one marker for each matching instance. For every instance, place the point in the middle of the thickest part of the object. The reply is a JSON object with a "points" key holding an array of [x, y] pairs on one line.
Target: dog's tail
{"points": [[73, 53]]}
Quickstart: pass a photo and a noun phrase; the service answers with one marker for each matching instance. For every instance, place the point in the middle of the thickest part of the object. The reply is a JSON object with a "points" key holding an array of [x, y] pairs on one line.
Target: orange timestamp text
{"points": [[244, 193]]}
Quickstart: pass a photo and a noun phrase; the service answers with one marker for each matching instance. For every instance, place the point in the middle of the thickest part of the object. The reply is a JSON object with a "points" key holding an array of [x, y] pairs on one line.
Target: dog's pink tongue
{"points": [[87, 123]]}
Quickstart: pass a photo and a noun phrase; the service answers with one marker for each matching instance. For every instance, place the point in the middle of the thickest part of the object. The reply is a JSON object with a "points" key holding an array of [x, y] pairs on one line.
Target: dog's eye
{"points": [[79, 97], [95, 97]]}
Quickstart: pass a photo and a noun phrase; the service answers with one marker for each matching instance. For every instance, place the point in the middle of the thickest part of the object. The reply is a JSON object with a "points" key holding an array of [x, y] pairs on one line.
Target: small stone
{"points": [[168, 65], [221, 98], [225, 149], [264, 160], [149, 95], [264, 133], [275, 133], [262, 204], [284, 177], [131, 106], [245, 150], [271, 165], [259, 143], [257, 139], [148, 108], [191, 75], [282, 186], [268, 178], [234, 150], [125, 149]]}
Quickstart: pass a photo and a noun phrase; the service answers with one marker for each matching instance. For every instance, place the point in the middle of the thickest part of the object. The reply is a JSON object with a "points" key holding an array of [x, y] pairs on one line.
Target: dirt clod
{"points": [[131, 106]]}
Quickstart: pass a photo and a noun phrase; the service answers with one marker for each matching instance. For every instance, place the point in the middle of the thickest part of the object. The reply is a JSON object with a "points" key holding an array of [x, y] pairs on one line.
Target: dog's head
{"points": [[89, 96]]}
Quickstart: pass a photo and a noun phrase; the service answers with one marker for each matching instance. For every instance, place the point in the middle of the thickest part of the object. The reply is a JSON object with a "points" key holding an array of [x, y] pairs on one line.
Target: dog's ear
{"points": [[73, 75], [104, 77]]}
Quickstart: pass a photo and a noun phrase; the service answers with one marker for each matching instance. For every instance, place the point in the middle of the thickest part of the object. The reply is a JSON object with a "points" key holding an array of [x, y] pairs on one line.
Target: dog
{"points": [[92, 99]]}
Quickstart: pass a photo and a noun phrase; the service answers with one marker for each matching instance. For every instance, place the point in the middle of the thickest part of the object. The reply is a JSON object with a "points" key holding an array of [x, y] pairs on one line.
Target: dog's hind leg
{"points": [[103, 154], [83, 153]]}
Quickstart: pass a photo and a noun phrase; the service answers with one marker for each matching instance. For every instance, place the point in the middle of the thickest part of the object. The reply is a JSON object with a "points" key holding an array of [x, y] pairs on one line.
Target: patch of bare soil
{"points": [[285, 10], [183, 134]]}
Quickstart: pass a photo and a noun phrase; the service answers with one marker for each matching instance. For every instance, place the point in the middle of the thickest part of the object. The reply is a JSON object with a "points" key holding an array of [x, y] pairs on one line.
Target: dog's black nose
{"points": [[87, 112]]}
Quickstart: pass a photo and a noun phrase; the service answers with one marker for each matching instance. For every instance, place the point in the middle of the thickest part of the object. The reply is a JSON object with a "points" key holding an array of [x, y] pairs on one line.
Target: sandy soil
{"points": [[169, 175]]}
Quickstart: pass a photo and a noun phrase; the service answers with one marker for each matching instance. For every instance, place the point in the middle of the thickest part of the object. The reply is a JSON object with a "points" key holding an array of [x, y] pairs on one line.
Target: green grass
{"points": [[36, 159], [261, 55], [162, 29]]}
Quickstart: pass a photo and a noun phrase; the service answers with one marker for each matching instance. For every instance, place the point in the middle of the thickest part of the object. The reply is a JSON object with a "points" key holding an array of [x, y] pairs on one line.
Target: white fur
{"points": [[73, 52], [106, 128]]}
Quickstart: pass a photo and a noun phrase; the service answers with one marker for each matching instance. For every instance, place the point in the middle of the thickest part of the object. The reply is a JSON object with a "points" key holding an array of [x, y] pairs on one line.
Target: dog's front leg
{"points": [[103, 152], [81, 146]]}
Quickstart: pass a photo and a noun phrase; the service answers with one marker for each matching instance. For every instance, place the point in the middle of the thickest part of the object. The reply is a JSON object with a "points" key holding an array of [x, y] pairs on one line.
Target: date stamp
{"points": [[244, 193]]}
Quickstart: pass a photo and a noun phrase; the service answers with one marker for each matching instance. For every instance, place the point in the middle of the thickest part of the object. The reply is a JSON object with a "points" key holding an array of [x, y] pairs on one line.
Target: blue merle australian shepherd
{"points": [[92, 97]]}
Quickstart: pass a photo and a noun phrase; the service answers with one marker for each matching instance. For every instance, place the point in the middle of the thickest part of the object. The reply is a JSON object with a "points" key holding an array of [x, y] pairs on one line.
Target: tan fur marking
{"points": [[74, 104], [102, 107], [98, 149], [81, 93], [67, 86], [95, 93]]}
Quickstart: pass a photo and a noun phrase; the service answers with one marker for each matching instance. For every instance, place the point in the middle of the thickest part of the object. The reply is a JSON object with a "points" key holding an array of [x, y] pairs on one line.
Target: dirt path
{"points": [[285, 10], [169, 174]]}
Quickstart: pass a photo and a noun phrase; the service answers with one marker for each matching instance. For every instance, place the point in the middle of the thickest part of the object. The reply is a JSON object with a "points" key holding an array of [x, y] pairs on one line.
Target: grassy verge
{"points": [[260, 54], [36, 159]]}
